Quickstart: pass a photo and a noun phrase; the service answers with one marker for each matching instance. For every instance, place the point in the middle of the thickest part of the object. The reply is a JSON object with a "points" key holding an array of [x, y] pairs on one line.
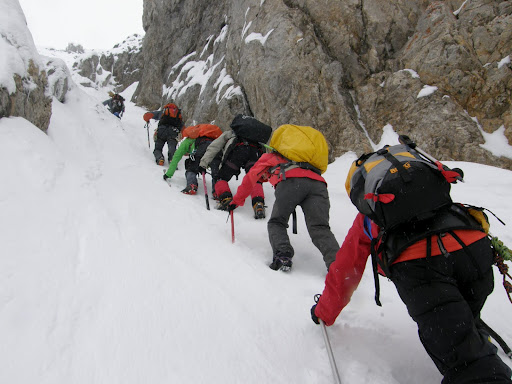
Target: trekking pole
{"points": [[206, 192], [405, 140], [334, 368]]}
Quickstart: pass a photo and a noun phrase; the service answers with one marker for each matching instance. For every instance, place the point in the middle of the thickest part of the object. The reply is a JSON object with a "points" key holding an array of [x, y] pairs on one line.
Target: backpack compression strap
{"points": [[386, 198], [367, 227]]}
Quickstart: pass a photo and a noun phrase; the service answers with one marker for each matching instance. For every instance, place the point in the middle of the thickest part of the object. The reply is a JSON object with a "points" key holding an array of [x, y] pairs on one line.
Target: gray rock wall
{"points": [[340, 66], [28, 81], [117, 68], [30, 99]]}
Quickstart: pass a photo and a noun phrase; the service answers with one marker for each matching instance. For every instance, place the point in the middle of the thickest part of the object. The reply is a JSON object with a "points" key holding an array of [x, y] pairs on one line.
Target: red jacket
{"points": [[346, 271], [260, 171]]}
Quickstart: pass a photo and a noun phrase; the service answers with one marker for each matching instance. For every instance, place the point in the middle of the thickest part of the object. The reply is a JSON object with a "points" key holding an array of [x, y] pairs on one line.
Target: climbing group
{"points": [[436, 252]]}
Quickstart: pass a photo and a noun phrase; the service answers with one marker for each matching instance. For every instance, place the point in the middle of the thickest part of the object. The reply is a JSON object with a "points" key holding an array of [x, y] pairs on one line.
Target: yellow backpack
{"points": [[301, 144]]}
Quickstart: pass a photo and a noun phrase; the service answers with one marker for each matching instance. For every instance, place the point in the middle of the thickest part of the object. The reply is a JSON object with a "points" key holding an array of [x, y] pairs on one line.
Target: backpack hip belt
{"points": [[397, 240], [284, 167]]}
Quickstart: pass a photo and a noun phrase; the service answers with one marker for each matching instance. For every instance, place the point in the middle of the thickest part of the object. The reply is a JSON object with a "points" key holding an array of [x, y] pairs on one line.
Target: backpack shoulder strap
{"points": [[374, 252]]}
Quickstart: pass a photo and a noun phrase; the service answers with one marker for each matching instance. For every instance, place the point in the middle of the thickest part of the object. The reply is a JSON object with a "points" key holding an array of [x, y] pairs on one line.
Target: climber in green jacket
{"points": [[196, 140]]}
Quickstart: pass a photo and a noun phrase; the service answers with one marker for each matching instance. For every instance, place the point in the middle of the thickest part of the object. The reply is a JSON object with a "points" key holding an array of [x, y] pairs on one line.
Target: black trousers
{"points": [[192, 166], [242, 156], [444, 296], [166, 134]]}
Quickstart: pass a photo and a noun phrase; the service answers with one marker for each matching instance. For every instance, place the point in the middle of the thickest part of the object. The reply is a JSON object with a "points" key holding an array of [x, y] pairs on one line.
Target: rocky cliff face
{"points": [[28, 99], [23, 80], [438, 71]]}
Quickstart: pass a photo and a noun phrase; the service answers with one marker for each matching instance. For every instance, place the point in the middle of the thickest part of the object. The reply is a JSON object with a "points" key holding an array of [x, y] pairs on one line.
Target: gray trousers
{"points": [[312, 196], [159, 146]]}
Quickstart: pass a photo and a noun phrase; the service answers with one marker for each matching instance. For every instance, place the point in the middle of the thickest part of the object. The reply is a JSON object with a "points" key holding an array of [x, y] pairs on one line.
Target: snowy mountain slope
{"points": [[107, 275]]}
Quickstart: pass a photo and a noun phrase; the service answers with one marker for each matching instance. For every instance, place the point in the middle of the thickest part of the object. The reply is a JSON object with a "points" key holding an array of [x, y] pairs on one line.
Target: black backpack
{"points": [[395, 185], [117, 105], [250, 129], [407, 194]]}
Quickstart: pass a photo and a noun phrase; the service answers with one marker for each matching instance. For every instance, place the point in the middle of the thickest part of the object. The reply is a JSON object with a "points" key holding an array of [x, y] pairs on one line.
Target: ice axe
{"points": [[451, 175], [147, 127]]}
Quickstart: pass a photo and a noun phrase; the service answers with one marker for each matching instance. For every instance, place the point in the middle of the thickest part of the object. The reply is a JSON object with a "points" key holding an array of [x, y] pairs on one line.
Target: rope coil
{"points": [[502, 253]]}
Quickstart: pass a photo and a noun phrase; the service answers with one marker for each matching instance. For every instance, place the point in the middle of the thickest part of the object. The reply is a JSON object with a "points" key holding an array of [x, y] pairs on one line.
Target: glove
{"points": [[165, 176], [201, 170], [232, 206], [314, 317], [147, 116], [459, 171]]}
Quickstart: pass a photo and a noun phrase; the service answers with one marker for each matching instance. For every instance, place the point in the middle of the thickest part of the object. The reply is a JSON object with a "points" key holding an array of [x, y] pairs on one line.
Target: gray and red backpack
{"points": [[407, 194]]}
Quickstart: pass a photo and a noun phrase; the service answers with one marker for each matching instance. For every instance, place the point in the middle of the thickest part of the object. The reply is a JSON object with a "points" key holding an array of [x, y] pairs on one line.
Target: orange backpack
{"points": [[171, 116], [209, 130], [202, 130], [172, 110], [192, 132]]}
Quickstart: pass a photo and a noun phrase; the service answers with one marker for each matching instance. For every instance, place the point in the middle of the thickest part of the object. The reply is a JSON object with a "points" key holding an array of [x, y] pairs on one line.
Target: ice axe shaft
{"points": [[147, 127], [232, 227], [206, 192], [334, 368], [405, 140]]}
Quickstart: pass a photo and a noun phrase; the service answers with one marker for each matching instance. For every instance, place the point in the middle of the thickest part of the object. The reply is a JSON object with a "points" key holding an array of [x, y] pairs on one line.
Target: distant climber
{"points": [[115, 104]]}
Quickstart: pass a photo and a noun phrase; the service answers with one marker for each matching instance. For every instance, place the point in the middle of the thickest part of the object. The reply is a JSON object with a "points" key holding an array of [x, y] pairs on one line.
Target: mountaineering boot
{"points": [[190, 189], [160, 161], [258, 204], [281, 263], [223, 203], [259, 210]]}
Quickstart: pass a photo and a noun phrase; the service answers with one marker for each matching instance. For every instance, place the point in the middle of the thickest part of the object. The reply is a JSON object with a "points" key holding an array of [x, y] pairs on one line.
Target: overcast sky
{"points": [[96, 24]]}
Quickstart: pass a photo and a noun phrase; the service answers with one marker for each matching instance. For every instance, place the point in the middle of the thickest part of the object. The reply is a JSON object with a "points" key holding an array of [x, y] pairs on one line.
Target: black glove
{"points": [[201, 170], [459, 171], [165, 176], [313, 316], [232, 206]]}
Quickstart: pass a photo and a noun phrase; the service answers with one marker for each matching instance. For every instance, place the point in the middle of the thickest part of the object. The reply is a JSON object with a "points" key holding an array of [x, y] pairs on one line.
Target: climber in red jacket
{"points": [[444, 294], [295, 186]]}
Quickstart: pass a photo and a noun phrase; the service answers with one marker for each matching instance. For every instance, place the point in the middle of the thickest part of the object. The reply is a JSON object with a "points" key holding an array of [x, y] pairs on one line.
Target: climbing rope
{"points": [[502, 253]]}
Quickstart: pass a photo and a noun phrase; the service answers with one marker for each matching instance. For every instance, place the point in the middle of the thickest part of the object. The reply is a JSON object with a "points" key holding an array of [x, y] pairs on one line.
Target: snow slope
{"points": [[109, 276]]}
